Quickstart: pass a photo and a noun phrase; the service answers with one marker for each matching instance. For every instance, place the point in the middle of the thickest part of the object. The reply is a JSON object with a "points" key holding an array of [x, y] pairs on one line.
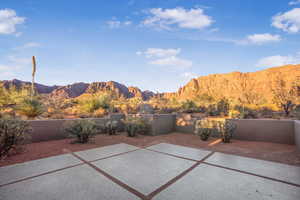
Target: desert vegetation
{"points": [[233, 95]]}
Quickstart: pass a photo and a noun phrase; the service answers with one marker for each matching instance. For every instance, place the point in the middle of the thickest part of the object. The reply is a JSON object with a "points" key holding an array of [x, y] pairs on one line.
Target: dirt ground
{"points": [[262, 150]]}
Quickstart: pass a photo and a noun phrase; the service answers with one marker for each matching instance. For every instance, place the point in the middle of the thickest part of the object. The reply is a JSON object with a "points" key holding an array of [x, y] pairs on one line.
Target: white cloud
{"points": [[189, 75], [8, 21], [262, 38], [194, 18], [288, 21], [165, 57], [157, 52], [278, 60], [117, 24], [172, 61], [292, 3]]}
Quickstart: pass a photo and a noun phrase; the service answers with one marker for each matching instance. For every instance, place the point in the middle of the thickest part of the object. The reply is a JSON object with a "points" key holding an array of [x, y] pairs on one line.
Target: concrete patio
{"points": [[161, 172]]}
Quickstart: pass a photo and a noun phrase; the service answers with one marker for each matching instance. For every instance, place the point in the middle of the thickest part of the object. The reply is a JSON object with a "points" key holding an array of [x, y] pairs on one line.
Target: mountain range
{"points": [[228, 85]]}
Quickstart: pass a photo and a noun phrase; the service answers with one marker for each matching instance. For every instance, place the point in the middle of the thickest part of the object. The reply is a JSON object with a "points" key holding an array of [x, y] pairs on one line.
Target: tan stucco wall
{"points": [[265, 130], [297, 134]]}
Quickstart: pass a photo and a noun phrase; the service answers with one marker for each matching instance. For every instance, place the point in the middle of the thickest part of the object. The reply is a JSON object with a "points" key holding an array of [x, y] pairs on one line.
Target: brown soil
{"points": [[262, 150]]}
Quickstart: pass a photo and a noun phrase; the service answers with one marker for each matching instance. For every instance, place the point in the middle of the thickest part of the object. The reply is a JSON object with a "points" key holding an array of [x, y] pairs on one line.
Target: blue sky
{"points": [[157, 45]]}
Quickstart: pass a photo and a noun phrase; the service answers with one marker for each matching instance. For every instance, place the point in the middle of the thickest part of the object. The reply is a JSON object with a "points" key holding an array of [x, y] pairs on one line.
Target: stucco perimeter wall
{"points": [[265, 130], [159, 123], [45, 130], [297, 134], [163, 124]]}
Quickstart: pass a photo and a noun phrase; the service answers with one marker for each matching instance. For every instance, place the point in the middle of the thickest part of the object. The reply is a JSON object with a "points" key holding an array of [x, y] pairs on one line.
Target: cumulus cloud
{"points": [[288, 21], [292, 3], [117, 24], [165, 57], [172, 61], [189, 75], [262, 38], [278, 60], [8, 21], [157, 52], [194, 18]]}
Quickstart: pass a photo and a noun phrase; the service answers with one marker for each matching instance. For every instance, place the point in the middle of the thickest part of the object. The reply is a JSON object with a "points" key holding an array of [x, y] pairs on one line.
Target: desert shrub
{"points": [[204, 128], [134, 125], [90, 104], [188, 106], [212, 110], [265, 112], [13, 134], [111, 127], [223, 107], [82, 130], [241, 112], [30, 107], [223, 128], [226, 129]]}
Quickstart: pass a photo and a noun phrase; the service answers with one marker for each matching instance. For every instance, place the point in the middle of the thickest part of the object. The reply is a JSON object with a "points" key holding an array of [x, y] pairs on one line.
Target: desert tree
{"points": [[285, 95], [245, 88]]}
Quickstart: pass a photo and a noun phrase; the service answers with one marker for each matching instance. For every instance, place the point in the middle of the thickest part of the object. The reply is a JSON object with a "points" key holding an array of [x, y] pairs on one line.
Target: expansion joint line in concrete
{"points": [[60, 169], [163, 187], [42, 174], [113, 179], [253, 174]]}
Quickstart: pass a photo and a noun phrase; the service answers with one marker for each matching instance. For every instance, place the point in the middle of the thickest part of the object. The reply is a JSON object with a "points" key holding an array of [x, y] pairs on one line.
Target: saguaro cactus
{"points": [[33, 75]]}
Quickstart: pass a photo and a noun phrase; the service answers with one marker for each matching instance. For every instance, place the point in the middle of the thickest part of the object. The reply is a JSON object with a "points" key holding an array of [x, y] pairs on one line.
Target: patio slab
{"points": [[32, 168], [279, 171], [186, 152], [144, 170], [214, 183], [102, 152], [76, 183]]}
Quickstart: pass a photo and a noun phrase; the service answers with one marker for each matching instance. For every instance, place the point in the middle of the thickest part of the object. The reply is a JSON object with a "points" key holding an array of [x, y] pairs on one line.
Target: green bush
{"points": [[188, 106], [81, 129], [93, 103], [111, 127], [226, 129], [241, 112], [13, 134], [204, 128], [134, 125], [30, 107], [223, 107]]}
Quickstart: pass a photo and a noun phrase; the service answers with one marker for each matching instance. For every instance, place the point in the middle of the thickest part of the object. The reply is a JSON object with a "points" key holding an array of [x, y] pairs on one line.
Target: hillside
{"points": [[231, 84], [77, 89]]}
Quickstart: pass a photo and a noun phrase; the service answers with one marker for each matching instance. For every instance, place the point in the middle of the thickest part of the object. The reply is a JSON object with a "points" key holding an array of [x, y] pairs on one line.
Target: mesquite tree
{"points": [[285, 95]]}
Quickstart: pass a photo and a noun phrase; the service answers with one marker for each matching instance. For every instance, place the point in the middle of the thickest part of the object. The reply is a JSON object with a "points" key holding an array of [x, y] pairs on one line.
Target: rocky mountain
{"points": [[77, 89], [42, 89], [231, 85]]}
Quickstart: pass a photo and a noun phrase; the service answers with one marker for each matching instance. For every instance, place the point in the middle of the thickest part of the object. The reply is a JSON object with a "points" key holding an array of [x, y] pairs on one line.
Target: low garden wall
{"points": [[163, 124], [265, 130], [53, 129], [297, 134], [159, 123]]}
